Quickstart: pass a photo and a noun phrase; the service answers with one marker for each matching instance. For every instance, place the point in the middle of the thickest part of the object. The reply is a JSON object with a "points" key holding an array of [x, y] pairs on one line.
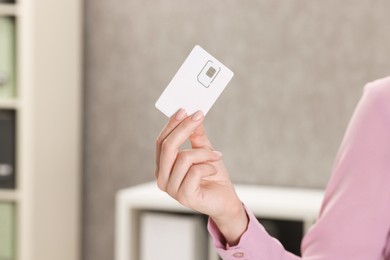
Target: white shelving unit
{"points": [[9, 196], [265, 202], [9, 104], [8, 9], [48, 122]]}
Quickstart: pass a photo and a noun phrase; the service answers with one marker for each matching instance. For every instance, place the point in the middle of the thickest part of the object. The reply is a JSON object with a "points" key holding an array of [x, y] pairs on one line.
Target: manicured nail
{"points": [[181, 114], [197, 116], [218, 153]]}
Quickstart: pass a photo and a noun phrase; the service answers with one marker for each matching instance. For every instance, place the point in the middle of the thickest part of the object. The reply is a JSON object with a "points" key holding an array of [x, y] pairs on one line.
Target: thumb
{"points": [[199, 138]]}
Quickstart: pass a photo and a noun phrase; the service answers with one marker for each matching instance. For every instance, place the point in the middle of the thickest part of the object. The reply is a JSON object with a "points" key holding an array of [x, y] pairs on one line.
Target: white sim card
{"points": [[196, 85]]}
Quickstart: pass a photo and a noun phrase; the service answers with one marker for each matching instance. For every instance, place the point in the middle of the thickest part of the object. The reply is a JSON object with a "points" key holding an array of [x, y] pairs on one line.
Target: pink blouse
{"points": [[354, 221]]}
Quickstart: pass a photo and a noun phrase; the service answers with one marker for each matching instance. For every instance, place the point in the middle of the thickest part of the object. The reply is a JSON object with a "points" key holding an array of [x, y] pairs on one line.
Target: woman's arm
{"points": [[354, 222], [355, 217]]}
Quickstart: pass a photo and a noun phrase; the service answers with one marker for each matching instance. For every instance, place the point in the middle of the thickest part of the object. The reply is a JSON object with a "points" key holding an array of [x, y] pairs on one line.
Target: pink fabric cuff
{"points": [[249, 243]]}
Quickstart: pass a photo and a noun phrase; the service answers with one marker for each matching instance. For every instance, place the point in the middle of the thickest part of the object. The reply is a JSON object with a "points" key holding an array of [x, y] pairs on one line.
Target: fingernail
{"points": [[181, 114], [197, 116], [218, 153]]}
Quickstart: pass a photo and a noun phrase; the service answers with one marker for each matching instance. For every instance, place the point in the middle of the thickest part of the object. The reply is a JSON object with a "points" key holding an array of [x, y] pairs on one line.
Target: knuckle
{"points": [[183, 157], [161, 185], [158, 140], [165, 145], [196, 170], [170, 191], [195, 138], [181, 198]]}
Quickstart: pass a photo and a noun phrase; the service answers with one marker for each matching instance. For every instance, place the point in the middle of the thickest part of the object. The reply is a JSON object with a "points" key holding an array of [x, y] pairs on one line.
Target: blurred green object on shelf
{"points": [[7, 58], [7, 231]]}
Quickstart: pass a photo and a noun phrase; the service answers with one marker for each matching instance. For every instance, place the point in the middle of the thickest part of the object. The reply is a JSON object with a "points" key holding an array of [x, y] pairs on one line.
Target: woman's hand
{"points": [[197, 177]]}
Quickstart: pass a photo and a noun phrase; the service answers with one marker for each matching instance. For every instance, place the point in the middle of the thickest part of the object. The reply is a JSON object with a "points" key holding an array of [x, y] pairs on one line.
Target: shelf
{"points": [[8, 195], [272, 202], [9, 104], [8, 9], [277, 203]]}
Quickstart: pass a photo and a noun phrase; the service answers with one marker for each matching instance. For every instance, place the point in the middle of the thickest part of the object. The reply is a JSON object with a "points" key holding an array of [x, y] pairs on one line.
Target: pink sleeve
{"points": [[255, 243], [354, 221]]}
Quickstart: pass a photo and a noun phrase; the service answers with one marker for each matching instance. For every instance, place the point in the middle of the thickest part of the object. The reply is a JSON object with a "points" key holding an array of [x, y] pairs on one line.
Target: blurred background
{"points": [[300, 68]]}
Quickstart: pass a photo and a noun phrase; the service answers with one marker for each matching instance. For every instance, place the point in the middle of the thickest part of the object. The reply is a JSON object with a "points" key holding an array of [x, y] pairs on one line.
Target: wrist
{"points": [[233, 223]]}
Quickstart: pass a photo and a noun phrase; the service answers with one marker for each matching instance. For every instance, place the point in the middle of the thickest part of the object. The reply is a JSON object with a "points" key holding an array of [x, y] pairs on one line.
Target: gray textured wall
{"points": [[299, 70]]}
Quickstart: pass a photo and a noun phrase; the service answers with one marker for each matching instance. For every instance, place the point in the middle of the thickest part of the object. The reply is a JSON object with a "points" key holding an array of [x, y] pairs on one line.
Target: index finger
{"points": [[168, 128], [171, 145]]}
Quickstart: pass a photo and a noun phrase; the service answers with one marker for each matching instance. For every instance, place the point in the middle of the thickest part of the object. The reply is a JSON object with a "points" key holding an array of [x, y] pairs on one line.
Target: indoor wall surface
{"points": [[300, 68]]}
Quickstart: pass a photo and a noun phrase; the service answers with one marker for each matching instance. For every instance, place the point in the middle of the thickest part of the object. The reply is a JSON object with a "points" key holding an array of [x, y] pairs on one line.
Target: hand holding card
{"points": [[197, 84]]}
